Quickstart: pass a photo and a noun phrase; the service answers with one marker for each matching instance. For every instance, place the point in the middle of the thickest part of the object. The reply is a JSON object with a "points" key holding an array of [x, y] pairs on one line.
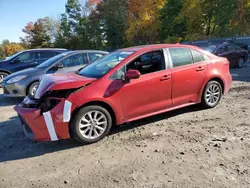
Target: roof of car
{"points": [[47, 49], [91, 51], [152, 46]]}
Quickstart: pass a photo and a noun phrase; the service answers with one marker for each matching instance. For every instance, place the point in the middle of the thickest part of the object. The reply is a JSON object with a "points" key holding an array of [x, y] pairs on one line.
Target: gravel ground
{"points": [[189, 147]]}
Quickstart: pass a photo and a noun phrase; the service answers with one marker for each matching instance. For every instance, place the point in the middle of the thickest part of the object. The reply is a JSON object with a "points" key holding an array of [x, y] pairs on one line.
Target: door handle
{"points": [[200, 69], [165, 77]]}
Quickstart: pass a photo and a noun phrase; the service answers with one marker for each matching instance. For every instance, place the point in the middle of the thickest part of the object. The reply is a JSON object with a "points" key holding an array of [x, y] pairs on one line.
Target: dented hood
{"points": [[61, 82]]}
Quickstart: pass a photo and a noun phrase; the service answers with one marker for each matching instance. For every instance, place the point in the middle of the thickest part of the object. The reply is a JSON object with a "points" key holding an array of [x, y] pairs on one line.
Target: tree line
{"points": [[113, 24]]}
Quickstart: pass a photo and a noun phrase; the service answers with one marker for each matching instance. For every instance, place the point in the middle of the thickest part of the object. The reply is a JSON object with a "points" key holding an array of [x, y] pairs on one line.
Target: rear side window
{"points": [[197, 56], [181, 56], [47, 54], [94, 56]]}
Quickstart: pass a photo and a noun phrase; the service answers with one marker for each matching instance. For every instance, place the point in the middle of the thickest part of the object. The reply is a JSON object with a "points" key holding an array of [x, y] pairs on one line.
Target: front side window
{"points": [[27, 57], [73, 60], [231, 48], [221, 50], [148, 63], [105, 64], [181, 56]]}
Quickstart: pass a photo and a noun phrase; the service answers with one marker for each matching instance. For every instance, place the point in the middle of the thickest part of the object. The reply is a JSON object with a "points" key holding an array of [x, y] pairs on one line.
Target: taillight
{"points": [[226, 65]]}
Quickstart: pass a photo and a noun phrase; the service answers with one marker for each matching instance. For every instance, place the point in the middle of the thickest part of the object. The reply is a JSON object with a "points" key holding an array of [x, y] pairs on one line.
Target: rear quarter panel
{"points": [[218, 68]]}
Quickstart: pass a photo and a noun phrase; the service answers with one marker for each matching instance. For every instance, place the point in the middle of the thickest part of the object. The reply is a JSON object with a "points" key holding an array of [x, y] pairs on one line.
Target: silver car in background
{"points": [[26, 82]]}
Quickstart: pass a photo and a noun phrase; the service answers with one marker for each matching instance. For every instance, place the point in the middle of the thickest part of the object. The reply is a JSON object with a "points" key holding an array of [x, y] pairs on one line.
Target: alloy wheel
{"points": [[213, 94], [93, 124], [2, 76], [240, 63], [33, 90]]}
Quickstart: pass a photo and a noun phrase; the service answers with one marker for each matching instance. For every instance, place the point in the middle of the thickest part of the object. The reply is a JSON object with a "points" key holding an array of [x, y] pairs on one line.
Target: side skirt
{"points": [[161, 111]]}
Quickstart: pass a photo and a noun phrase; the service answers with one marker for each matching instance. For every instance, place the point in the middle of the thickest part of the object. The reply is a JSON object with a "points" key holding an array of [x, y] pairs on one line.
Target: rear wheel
{"points": [[32, 89], [2, 76], [212, 94], [240, 63], [91, 124]]}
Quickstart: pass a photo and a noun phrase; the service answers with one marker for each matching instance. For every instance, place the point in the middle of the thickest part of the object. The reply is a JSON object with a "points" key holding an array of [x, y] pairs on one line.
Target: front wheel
{"points": [[212, 94], [91, 124], [2, 76], [240, 63], [32, 89]]}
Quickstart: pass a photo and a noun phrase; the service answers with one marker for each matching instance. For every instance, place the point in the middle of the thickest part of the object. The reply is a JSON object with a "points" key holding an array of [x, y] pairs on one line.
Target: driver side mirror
{"points": [[132, 74], [59, 66], [17, 60]]}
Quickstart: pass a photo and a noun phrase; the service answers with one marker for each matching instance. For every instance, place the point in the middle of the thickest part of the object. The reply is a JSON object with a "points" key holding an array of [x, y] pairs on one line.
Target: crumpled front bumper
{"points": [[47, 126]]}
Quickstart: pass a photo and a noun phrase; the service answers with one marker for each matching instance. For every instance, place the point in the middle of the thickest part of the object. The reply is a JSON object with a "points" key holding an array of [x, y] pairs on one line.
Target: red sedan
{"points": [[124, 86]]}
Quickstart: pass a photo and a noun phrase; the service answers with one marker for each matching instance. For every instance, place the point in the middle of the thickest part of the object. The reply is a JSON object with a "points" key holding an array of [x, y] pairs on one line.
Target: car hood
{"points": [[23, 72], [3, 62], [61, 82]]}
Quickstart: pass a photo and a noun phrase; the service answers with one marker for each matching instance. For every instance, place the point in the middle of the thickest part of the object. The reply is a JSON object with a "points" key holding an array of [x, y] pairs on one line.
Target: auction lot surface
{"points": [[189, 147]]}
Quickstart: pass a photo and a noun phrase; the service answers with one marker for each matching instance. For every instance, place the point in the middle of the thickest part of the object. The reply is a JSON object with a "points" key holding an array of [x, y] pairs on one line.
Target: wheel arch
{"points": [[97, 103], [218, 79], [27, 88], [5, 71]]}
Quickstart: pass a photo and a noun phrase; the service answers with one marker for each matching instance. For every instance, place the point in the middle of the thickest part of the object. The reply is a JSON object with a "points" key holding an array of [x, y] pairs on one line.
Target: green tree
{"points": [[173, 28], [9, 48], [38, 34]]}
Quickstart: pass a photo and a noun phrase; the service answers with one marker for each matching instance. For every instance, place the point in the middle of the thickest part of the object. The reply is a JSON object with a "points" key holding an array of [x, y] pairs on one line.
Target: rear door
{"points": [[188, 72], [45, 55]]}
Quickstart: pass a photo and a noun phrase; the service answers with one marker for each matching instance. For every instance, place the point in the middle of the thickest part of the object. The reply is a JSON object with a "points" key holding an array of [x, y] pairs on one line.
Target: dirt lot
{"points": [[176, 149]]}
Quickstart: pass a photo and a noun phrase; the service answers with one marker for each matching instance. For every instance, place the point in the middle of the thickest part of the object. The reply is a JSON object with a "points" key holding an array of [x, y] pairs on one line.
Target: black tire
{"points": [[240, 63], [30, 90], [2, 76], [75, 124], [205, 94]]}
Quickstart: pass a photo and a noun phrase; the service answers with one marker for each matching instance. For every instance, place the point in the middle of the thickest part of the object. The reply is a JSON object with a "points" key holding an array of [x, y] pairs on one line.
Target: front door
{"points": [[149, 93], [25, 60], [188, 72], [72, 63]]}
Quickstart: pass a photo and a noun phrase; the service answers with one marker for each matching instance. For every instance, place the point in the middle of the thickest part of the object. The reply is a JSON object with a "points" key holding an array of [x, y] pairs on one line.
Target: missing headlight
{"points": [[48, 104]]}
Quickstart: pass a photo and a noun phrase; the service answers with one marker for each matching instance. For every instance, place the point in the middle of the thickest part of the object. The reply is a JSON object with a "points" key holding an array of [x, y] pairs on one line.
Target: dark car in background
{"points": [[26, 82], [235, 53], [26, 59]]}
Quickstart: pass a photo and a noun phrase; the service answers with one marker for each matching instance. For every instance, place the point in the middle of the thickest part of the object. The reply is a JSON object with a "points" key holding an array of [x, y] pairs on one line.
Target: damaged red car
{"points": [[124, 86]]}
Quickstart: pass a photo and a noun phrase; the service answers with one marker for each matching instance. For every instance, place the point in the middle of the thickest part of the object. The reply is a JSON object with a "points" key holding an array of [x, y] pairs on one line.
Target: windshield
{"points": [[104, 65], [210, 48], [50, 61], [14, 55]]}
